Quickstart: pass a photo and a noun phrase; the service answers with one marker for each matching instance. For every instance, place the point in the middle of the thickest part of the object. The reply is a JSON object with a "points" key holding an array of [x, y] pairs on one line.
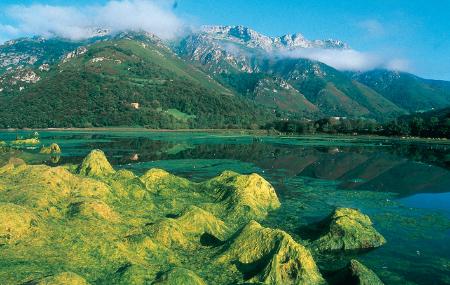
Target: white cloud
{"points": [[398, 64], [76, 23], [348, 59], [8, 29], [372, 27]]}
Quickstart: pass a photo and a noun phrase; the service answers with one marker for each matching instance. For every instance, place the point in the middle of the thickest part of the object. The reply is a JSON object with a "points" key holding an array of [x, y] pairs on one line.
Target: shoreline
{"points": [[248, 132]]}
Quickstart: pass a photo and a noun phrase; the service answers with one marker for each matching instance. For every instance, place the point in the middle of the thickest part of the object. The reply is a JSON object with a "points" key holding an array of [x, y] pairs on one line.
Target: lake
{"points": [[403, 186]]}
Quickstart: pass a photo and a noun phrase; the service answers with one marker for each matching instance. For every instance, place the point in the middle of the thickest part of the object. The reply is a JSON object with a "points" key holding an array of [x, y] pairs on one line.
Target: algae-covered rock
{"points": [[179, 276], [270, 257], [125, 174], [16, 222], [243, 196], [197, 221], [354, 273], [29, 141], [65, 278], [95, 164], [47, 189], [161, 181], [118, 228], [361, 275], [52, 149], [131, 274], [348, 229], [187, 230], [93, 209]]}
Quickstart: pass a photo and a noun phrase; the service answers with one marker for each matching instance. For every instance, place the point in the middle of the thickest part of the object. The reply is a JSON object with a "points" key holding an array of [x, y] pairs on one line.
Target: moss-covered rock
{"points": [[186, 230], [29, 141], [95, 164], [243, 196], [161, 181], [52, 149], [361, 275], [118, 228], [93, 209], [45, 189], [196, 221], [16, 222], [179, 276], [348, 229], [270, 257], [354, 273], [65, 278], [131, 274]]}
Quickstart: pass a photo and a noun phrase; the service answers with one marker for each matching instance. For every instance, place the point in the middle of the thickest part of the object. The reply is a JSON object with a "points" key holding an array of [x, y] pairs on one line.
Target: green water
{"points": [[403, 187]]}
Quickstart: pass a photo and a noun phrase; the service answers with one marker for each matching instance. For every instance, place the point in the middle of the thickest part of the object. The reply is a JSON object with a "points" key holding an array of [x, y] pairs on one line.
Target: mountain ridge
{"points": [[233, 62]]}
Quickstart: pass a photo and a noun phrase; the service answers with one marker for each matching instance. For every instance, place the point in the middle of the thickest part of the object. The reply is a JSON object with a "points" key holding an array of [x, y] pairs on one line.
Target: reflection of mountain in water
{"points": [[393, 169], [370, 170]]}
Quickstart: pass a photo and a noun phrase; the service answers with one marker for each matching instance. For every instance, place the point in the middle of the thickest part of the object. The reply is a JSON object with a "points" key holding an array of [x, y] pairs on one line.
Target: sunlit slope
{"points": [[97, 85]]}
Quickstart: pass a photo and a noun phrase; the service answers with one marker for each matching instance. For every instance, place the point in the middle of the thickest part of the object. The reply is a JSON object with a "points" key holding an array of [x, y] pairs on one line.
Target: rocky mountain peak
{"points": [[253, 39]]}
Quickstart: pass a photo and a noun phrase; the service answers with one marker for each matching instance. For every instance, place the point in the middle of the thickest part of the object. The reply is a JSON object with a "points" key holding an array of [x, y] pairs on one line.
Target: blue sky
{"points": [[415, 31]]}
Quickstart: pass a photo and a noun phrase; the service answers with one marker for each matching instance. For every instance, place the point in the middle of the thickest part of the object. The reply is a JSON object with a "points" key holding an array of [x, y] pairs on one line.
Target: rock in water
{"points": [[348, 229], [65, 278], [361, 275], [244, 196], [52, 149], [95, 164], [180, 276], [31, 141], [270, 257]]}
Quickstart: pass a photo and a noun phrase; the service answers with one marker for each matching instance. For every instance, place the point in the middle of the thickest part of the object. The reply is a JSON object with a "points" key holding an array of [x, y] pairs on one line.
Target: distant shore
{"points": [[242, 132]]}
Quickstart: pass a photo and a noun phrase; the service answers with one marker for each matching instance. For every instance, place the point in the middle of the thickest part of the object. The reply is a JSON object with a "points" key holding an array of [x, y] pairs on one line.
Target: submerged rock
{"points": [[348, 229], [95, 164], [361, 275], [52, 149], [243, 196], [271, 257], [178, 276], [16, 222], [65, 278], [354, 273]]}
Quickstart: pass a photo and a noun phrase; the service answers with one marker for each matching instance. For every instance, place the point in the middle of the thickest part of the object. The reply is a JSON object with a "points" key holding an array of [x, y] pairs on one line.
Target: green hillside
{"points": [[98, 87], [408, 91], [331, 90]]}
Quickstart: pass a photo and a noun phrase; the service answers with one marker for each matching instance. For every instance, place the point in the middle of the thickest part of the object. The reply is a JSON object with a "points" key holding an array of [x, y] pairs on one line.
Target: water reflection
{"points": [[406, 169], [388, 169]]}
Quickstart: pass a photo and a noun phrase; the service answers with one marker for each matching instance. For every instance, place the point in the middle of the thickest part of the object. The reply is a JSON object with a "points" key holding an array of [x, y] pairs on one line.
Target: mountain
{"points": [[218, 76], [252, 39], [243, 59], [407, 90], [131, 79]]}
